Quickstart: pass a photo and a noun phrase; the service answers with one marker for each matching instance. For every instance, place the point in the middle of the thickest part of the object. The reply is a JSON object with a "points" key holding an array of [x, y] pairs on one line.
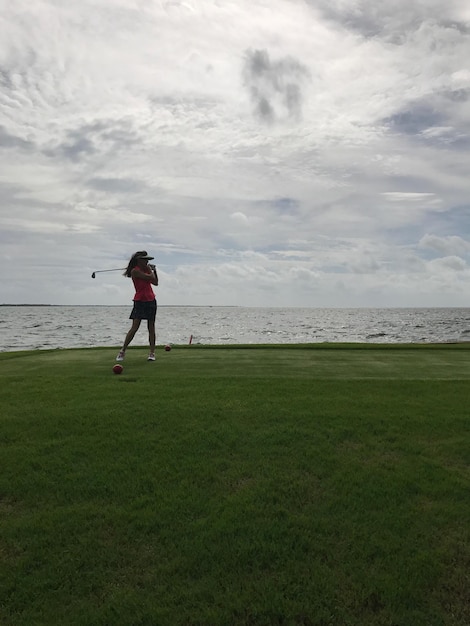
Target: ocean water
{"points": [[48, 327]]}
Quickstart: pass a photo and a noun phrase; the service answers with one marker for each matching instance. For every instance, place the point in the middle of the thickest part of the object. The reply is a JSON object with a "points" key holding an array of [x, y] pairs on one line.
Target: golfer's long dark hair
{"points": [[133, 262]]}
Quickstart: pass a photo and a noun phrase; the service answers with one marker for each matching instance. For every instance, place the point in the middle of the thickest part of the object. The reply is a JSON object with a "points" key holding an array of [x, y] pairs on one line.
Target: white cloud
{"points": [[403, 196], [451, 245], [308, 153], [240, 218], [452, 263]]}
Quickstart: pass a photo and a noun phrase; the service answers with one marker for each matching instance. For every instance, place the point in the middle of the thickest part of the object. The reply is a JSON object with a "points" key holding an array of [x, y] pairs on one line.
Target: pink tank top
{"points": [[143, 288]]}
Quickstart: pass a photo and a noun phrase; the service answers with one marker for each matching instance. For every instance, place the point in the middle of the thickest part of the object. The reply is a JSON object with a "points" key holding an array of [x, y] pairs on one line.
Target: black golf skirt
{"points": [[144, 310]]}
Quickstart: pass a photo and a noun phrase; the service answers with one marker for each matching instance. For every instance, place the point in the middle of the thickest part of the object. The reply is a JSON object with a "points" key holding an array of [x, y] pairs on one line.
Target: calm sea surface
{"points": [[46, 327]]}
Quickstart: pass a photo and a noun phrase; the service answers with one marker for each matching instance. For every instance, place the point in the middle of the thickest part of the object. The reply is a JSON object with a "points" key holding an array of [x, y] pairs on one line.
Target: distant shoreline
{"points": [[186, 306], [238, 306]]}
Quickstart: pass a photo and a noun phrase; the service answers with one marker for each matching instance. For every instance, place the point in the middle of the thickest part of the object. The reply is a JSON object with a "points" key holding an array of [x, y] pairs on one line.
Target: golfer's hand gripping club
{"points": [[154, 270]]}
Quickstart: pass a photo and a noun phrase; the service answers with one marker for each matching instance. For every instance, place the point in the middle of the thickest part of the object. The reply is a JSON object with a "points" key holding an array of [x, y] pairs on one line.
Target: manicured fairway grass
{"points": [[315, 485]]}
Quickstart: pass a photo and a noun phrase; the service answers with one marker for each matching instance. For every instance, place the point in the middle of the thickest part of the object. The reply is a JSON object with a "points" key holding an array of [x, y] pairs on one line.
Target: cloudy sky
{"points": [[267, 152]]}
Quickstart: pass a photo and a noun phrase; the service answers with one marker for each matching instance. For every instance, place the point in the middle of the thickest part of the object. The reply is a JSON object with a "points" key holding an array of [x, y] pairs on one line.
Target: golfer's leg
{"points": [[151, 328], [131, 334]]}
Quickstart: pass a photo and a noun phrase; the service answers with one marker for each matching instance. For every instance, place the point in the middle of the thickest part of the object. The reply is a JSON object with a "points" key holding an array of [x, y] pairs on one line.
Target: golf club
{"points": [[116, 269]]}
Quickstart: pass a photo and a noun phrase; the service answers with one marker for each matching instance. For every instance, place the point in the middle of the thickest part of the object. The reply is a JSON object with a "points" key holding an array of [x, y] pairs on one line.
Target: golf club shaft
{"points": [[116, 269]]}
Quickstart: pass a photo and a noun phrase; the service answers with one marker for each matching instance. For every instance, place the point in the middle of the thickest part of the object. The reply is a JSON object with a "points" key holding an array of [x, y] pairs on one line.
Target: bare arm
{"points": [[152, 277]]}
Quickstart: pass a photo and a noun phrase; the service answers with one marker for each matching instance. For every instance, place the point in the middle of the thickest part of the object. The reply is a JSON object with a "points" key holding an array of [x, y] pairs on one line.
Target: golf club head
{"points": [[93, 275]]}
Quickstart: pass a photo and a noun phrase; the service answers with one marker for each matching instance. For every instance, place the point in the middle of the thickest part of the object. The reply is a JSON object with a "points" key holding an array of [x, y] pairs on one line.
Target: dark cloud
{"points": [[415, 119], [77, 146], [13, 198], [367, 24], [391, 21], [287, 206], [460, 143], [453, 221], [6, 82], [275, 86], [463, 28], [7, 140], [368, 19], [433, 123], [458, 95], [74, 147], [118, 185], [95, 138], [263, 107]]}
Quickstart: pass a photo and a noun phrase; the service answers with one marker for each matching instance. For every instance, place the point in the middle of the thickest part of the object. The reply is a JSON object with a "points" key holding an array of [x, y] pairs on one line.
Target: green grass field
{"points": [[246, 485]]}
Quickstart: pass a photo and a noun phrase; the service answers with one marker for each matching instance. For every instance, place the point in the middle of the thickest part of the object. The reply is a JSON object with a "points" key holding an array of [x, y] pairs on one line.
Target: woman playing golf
{"points": [[145, 305]]}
